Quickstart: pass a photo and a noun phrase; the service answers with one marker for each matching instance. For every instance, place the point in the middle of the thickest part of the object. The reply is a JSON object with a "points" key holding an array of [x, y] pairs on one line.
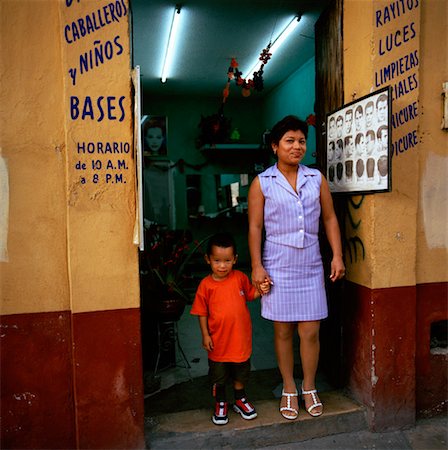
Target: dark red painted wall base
{"points": [[379, 347], [431, 369], [37, 404], [72, 381], [387, 359], [109, 379]]}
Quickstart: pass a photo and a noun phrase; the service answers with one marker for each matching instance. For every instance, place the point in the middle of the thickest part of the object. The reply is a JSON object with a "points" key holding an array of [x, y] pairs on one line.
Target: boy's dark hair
{"points": [[288, 123], [223, 240]]}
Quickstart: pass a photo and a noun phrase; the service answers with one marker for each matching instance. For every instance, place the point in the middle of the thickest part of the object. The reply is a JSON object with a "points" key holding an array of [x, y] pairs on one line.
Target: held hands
{"points": [[207, 343], [265, 287], [261, 280], [337, 268]]}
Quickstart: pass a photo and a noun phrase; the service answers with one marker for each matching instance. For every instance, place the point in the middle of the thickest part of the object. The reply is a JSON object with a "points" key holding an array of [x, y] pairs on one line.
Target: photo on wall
{"points": [[359, 145], [154, 133]]}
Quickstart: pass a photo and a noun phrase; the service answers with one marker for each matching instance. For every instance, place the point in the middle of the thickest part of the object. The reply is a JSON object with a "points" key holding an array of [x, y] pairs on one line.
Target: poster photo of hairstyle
{"points": [[358, 145]]}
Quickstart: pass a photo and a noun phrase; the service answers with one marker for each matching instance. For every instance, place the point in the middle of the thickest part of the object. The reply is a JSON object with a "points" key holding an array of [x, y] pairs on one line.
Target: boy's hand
{"points": [[207, 343], [265, 287]]}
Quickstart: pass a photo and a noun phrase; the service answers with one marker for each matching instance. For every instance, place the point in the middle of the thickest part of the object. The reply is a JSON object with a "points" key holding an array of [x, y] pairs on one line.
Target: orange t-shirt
{"points": [[229, 324]]}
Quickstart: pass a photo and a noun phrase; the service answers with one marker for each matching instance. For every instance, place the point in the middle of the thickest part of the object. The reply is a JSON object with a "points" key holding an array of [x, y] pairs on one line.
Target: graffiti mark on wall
{"points": [[353, 244]]}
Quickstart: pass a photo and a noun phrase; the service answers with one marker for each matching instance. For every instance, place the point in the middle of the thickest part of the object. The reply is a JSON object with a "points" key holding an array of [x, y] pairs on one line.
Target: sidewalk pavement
{"points": [[428, 434]]}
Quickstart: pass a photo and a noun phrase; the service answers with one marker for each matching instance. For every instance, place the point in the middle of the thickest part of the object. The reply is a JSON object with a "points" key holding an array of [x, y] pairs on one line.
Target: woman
{"points": [[287, 200], [155, 136]]}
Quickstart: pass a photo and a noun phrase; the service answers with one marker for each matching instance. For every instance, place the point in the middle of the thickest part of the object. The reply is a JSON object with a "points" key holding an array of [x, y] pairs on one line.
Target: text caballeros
{"points": [[94, 21]]}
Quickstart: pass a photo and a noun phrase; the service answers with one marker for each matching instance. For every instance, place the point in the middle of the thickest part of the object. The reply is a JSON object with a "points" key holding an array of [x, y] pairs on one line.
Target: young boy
{"points": [[226, 327]]}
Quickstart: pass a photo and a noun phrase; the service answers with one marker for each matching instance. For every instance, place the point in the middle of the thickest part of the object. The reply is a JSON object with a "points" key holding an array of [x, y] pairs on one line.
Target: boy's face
{"points": [[382, 111], [330, 152], [339, 148], [350, 147], [358, 119], [384, 138], [360, 148], [369, 115], [332, 127], [370, 143], [221, 260], [348, 121], [339, 124]]}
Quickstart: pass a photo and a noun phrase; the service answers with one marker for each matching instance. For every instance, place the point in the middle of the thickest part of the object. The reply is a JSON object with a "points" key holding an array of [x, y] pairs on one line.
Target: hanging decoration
{"points": [[311, 120], [255, 83], [215, 129]]}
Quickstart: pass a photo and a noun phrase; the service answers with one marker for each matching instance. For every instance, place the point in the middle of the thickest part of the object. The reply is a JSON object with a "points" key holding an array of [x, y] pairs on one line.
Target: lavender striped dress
{"points": [[291, 252]]}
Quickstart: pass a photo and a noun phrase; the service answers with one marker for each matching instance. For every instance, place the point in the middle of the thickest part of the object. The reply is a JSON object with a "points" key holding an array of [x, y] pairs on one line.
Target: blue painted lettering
{"points": [[72, 73], [396, 68], [74, 110], [409, 112], [393, 10], [103, 147], [403, 144], [112, 12], [97, 112], [405, 86], [116, 178], [396, 39], [87, 110], [100, 54]]}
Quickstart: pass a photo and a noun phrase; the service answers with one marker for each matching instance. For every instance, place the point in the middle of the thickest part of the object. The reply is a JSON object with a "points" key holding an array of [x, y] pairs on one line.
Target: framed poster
{"points": [[154, 132], [359, 145]]}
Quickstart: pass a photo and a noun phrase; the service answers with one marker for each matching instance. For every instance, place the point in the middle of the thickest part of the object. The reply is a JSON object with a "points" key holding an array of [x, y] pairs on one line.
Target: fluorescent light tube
{"points": [[171, 44], [277, 43]]}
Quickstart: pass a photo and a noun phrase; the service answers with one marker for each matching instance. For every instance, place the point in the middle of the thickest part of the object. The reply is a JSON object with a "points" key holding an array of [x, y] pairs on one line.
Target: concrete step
{"points": [[195, 430]]}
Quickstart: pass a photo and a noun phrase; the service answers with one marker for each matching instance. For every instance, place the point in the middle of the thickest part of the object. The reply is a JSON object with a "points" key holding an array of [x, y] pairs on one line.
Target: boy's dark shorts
{"points": [[222, 372]]}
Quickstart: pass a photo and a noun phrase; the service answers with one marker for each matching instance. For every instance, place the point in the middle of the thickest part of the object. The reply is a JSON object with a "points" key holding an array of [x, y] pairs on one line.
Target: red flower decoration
{"points": [[311, 120]]}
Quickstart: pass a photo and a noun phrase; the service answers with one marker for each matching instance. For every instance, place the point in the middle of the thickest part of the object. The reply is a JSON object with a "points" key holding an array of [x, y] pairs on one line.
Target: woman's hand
{"points": [[265, 287], [259, 277], [337, 268]]}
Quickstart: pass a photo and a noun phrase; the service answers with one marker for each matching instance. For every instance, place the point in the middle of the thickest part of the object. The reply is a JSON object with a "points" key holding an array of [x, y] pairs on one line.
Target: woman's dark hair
{"points": [[288, 123], [224, 240]]}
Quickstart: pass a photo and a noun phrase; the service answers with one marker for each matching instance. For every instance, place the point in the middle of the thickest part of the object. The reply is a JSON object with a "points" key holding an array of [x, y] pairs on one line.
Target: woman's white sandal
{"points": [[288, 406], [315, 404]]}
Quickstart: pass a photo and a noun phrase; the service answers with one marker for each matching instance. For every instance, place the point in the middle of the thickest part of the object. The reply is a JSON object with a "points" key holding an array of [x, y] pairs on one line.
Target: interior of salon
{"points": [[214, 78]]}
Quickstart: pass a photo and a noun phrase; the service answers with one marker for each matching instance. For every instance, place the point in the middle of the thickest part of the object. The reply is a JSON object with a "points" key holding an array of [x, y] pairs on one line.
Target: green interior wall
{"points": [[252, 116], [294, 96]]}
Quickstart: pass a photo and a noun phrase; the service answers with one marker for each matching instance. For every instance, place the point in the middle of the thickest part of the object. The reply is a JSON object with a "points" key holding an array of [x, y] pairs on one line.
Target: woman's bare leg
{"points": [[309, 354], [283, 341]]}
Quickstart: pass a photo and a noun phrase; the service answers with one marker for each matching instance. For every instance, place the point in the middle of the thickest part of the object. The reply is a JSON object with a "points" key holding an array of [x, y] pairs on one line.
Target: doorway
{"points": [[209, 186]]}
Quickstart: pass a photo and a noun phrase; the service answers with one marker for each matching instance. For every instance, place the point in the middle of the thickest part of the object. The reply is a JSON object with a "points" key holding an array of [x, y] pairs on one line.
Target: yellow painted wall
{"points": [[70, 241], [35, 275], [357, 63], [432, 237], [375, 36]]}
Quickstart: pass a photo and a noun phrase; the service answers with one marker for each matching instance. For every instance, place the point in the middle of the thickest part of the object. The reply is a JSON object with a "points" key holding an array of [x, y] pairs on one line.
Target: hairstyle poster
{"points": [[359, 145], [154, 132]]}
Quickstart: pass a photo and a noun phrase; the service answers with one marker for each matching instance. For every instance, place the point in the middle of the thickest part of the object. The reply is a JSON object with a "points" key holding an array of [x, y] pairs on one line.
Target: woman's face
{"points": [[154, 138], [292, 147]]}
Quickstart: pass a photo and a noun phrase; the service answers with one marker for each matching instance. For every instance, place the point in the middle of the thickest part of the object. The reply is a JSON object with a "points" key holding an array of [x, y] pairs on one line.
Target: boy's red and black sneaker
{"points": [[220, 415], [245, 408]]}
